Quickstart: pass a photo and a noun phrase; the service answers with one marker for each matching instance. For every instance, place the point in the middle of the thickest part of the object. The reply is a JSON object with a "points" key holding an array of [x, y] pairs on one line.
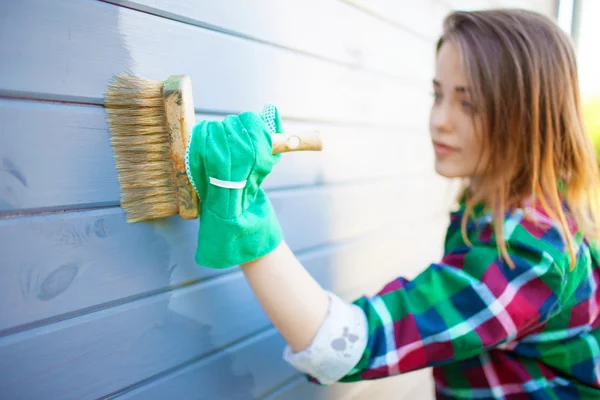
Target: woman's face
{"points": [[455, 132]]}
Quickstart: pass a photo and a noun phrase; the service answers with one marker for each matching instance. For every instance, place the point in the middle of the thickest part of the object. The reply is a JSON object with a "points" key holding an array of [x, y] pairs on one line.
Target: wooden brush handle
{"points": [[180, 115], [300, 141]]}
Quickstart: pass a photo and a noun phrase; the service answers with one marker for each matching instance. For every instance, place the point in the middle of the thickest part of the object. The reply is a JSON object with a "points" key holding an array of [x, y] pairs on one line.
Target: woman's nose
{"points": [[441, 118]]}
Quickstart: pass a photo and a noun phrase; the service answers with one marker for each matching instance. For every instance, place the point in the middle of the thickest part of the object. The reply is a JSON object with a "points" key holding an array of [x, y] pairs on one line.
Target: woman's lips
{"points": [[442, 149]]}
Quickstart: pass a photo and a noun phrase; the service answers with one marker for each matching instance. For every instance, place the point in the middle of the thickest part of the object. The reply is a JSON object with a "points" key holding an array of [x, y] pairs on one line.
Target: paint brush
{"points": [[151, 124]]}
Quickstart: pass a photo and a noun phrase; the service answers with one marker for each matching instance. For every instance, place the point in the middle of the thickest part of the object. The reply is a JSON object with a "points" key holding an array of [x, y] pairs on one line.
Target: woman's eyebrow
{"points": [[459, 89]]}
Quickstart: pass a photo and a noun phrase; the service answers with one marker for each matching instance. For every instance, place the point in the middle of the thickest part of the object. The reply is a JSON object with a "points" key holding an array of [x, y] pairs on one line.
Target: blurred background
{"points": [[94, 308], [579, 17]]}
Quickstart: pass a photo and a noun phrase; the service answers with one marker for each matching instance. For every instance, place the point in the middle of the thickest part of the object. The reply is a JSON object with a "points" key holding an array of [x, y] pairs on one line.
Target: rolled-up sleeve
{"points": [[338, 345]]}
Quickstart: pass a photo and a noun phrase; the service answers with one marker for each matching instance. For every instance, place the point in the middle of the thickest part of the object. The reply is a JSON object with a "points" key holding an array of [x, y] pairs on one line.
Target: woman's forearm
{"points": [[294, 302]]}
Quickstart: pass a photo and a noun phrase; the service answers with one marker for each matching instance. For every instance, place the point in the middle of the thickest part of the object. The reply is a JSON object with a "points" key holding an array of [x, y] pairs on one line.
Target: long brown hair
{"points": [[522, 71]]}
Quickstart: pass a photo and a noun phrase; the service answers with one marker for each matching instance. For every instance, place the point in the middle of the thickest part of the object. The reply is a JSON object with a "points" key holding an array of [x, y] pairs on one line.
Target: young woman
{"points": [[512, 309]]}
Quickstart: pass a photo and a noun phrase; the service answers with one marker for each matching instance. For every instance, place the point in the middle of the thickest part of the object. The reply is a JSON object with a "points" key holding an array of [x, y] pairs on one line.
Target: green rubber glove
{"points": [[226, 163]]}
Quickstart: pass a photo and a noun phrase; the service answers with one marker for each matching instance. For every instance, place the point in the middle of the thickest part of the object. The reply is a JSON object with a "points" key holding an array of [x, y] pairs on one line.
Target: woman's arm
{"points": [[460, 307], [294, 302]]}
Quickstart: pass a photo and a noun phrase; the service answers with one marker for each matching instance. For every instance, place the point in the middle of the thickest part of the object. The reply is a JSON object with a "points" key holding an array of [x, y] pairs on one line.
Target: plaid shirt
{"points": [[488, 331]]}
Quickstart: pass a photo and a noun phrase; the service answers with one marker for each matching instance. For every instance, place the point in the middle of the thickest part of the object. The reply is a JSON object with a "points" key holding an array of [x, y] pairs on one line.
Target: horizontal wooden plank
{"points": [[80, 172], [338, 213], [100, 353], [247, 370], [59, 264], [425, 19], [93, 355], [330, 29], [67, 50], [54, 156]]}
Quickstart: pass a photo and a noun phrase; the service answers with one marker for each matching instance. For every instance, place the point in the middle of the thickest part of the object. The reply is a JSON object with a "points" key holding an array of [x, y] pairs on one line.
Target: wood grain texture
{"points": [[297, 141], [80, 172], [331, 29], [181, 118], [57, 52], [111, 349], [60, 264], [96, 354]]}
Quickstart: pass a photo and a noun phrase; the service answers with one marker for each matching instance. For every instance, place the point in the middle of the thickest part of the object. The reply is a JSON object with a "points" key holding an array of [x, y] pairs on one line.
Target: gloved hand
{"points": [[227, 162]]}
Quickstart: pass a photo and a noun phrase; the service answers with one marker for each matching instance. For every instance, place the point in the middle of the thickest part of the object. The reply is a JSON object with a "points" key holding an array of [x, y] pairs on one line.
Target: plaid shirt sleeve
{"points": [[469, 302]]}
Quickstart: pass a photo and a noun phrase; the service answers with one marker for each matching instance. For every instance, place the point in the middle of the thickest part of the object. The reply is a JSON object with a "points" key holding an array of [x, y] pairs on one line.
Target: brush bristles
{"points": [[136, 117]]}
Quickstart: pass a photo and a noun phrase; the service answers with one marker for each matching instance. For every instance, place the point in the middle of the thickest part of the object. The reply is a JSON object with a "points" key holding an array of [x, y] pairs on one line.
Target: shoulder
{"points": [[527, 231], [534, 273]]}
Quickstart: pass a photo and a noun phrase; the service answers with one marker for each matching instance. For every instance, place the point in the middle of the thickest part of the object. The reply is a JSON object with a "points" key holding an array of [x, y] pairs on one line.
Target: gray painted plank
{"points": [[330, 29], [100, 353], [80, 170], [425, 19], [55, 265], [54, 156], [59, 264], [247, 370], [69, 50]]}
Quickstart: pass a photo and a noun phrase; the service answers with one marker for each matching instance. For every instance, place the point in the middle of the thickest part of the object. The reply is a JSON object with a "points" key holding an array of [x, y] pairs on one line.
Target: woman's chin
{"points": [[447, 170]]}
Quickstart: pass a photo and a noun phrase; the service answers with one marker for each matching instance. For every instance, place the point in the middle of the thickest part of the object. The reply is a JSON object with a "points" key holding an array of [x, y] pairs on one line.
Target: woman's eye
{"points": [[468, 106], [436, 96]]}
